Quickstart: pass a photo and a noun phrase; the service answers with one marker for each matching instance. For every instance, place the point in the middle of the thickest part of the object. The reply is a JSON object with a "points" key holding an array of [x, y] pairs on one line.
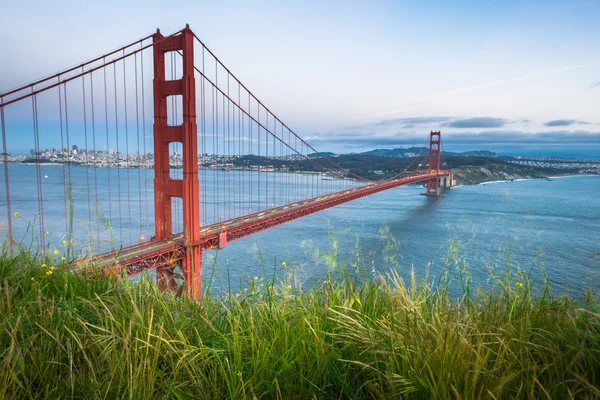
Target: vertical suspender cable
{"points": [[229, 172], [109, 157], [296, 195], [288, 177], [138, 155], [319, 183], [225, 185], [70, 183], [6, 180], [215, 159], [250, 158], [281, 162], [240, 153], [127, 172], [118, 158], [258, 127], [267, 163], [144, 158], [217, 188], [95, 162], [87, 164], [36, 140], [62, 149], [303, 176], [312, 186], [274, 163], [203, 106]]}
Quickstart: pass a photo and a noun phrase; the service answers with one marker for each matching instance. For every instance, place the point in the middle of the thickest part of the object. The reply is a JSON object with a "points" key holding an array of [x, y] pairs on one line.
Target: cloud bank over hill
{"points": [[487, 132]]}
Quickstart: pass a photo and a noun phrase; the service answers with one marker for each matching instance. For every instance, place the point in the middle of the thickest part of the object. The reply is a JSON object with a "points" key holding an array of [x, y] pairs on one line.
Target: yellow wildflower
{"points": [[284, 264], [56, 252], [16, 214], [256, 278], [63, 258], [519, 285], [64, 242], [289, 287], [48, 272], [46, 233], [53, 268], [33, 279], [43, 265]]}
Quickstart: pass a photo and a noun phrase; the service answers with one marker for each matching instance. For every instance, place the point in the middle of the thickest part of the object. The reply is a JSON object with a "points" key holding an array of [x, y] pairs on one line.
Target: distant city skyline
{"points": [[544, 152], [512, 77]]}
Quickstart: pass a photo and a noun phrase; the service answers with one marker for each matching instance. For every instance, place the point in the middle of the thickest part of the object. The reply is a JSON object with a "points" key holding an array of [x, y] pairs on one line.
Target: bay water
{"points": [[540, 226]]}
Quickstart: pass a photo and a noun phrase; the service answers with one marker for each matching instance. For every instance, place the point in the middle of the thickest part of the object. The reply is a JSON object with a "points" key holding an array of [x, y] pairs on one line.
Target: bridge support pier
{"points": [[165, 187], [191, 267], [447, 181], [433, 188]]}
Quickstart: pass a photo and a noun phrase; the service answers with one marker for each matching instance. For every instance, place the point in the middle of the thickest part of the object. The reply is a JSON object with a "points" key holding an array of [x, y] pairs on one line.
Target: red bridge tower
{"points": [[165, 188], [433, 185]]}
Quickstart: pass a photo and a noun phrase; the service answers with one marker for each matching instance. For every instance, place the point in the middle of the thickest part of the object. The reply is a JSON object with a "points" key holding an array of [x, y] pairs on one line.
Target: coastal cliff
{"points": [[470, 175]]}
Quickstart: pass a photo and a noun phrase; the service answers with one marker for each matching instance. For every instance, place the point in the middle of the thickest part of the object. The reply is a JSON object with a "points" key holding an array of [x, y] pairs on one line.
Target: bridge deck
{"points": [[151, 254]]}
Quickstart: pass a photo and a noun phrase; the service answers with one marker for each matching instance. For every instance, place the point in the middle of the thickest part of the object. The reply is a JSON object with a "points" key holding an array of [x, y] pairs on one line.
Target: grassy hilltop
{"points": [[74, 336]]}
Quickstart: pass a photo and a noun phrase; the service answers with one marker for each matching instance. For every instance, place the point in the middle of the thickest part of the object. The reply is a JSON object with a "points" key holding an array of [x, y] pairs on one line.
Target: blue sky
{"points": [[507, 76]]}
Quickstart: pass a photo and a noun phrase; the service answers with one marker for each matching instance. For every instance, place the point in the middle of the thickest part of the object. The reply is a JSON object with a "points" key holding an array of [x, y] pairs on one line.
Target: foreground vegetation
{"points": [[69, 336]]}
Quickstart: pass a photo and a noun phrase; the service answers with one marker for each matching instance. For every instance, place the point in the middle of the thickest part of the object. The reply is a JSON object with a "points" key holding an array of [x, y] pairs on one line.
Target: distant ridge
{"points": [[323, 153], [476, 153], [406, 152], [400, 152], [414, 151]]}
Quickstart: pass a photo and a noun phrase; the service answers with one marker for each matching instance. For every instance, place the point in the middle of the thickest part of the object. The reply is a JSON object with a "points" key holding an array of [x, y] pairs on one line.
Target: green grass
{"points": [[73, 336]]}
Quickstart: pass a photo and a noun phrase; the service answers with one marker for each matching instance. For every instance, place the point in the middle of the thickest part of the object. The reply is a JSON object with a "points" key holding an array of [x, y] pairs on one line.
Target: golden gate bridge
{"points": [[215, 150]]}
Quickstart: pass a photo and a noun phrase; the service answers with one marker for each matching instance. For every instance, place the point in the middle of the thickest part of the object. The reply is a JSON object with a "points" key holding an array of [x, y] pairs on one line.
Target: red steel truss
{"points": [[167, 253]]}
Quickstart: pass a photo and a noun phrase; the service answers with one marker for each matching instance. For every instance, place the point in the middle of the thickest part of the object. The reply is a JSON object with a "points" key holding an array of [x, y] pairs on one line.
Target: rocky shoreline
{"points": [[473, 175]]}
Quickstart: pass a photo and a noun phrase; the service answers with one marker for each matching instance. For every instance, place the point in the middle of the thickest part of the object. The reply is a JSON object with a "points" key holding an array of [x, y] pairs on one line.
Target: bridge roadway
{"points": [[154, 253]]}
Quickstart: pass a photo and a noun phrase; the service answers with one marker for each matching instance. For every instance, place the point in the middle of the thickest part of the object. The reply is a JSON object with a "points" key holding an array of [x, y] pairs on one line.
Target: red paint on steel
{"points": [[222, 239], [164, 253], [187, 188], [433, 185]]}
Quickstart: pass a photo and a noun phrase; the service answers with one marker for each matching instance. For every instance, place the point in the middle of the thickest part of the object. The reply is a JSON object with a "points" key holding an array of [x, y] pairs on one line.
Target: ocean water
{"points": [[549, 227], [537, 226]]}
